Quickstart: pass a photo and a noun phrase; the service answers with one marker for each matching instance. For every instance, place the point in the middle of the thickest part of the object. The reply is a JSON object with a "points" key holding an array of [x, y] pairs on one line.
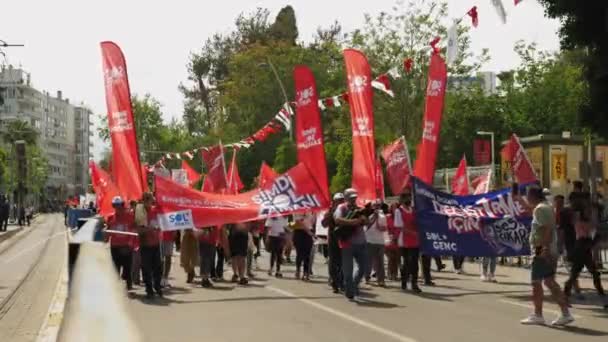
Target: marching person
{"points": [[350, 221], [276, 236], [392, 247], [207, 242], [375, 235], [335, 256], [166, 249], [238, 245], [303, 242], [188, 254], [121, 246], [409, 244], [148, 230], [543, 242]]}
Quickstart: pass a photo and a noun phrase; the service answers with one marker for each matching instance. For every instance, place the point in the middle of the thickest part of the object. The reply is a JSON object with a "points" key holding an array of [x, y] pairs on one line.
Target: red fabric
{"points": [[434, 43], [481, 184], [426, 156], [393, 232], [193, 176], [126, 168], [122, 222], [144, 176], [407, 65], [521, 167], [210, 235], [267, 175], [167, 235], [104, 188], [410, 239], [475, 17], [309, 133], [362, 120], [293, 192], [379, 180], [216, 168], [235, 185], [460, 182], [482, 151], [398, 166]]}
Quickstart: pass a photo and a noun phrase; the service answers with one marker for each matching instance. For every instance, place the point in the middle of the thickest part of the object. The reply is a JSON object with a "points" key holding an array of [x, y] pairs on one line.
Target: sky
{"points": [[62, 38]]}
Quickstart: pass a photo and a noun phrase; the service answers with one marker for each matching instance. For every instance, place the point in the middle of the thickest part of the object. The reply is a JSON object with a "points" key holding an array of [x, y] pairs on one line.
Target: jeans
{"points": [[206, 252], [488, 261], [151, 267], [376, 261], [426, 268], [356, 253], [275, 244], [335, 265], [122, 256], [217, 269], [583, 257], [458, 261], [303, 243]]}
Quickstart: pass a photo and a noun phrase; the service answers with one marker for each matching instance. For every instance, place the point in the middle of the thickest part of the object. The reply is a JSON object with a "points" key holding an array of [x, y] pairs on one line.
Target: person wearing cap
{"points": [[121, 245], [146, 219], [376, 235], [351, 239], [335, 256]]}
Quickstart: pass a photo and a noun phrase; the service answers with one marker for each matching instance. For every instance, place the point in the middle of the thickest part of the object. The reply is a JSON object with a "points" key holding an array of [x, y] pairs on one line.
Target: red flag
{"points": [[104, 188], [434, 43], [475, 16], [235, 185], [460, 182], [521, 167], [379, 180], [216, 168], [267, 175], [426, 156], [398, 167], [482, 152], [126, 168], [182, 207], [193, 176], [481, 183], [309, 133], [407, 65], [362, 121]]}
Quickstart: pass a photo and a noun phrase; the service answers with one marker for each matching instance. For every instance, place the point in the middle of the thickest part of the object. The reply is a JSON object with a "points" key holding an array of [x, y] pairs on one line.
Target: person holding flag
{"points": [[121, 245], [148, 230]]}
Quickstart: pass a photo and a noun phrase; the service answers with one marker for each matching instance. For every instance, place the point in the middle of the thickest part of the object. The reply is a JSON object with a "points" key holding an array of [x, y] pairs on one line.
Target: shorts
{"points": [[543, 268], [166, 248], [239, 244]]}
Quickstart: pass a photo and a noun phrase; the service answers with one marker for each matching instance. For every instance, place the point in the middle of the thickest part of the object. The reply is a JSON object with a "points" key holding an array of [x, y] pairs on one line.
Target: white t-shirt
{"points": [[373, 234], [277, 225], [307, 219]]}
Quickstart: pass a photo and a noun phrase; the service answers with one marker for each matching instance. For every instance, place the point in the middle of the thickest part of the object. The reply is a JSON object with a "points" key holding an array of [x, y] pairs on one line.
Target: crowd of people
{"points": [[347, 235]]}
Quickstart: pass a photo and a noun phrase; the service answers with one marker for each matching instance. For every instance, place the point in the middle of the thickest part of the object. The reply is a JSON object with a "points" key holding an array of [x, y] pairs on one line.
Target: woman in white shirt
{"points": [[376, 234], [276, 236]]}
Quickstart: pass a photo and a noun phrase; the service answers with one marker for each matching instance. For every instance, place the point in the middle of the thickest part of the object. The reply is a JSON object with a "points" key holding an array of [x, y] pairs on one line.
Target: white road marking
{"points": [[343, 315], [528, 306], [27, 250]]}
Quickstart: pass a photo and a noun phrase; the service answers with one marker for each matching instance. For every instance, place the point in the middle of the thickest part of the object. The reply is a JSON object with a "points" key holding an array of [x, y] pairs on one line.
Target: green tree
{"points": [[19, 130], [285, 28]]}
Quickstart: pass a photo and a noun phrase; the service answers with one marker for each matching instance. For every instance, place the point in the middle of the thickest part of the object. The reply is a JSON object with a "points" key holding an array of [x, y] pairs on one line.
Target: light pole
{"points": [[276, 76], [491, 134]]}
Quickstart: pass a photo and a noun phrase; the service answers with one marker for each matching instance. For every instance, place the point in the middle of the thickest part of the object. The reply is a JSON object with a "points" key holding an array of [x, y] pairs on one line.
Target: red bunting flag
{"points": [[293, 192], [474, 16], [126, 167], [460, 182], [267, 175], [105, 189], [193, 176], [309, 133], [398, 167], [426, 156], [235, 185], [216, 168], [362, 120], [520, 166]]}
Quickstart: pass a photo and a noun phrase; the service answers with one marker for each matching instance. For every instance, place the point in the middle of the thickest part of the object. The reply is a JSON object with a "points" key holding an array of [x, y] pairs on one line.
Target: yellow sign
{"points": [[535, 155], [559, 170]]}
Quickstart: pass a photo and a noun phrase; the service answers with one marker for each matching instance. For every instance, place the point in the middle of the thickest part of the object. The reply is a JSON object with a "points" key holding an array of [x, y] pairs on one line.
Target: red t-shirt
{"points": [[209, 235], [410, 229], [167, 235], [152, 238], [124, 222]]}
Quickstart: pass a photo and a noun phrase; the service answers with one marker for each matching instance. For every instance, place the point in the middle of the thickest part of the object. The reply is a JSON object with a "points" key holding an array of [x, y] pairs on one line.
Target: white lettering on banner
{"points": [[310, 138], [440, 242], [362, 128], [357, 83], [113, 75], [505, 232], [282, 198], [200, 203], [176, 220], [428, 131], [396, 158], [434, 88], [304, 96], [120, 122]]}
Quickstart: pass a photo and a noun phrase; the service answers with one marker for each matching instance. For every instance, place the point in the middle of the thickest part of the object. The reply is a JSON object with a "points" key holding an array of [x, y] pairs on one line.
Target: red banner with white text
{"points": [[126, 167], [460, 182], [292, 192], [522, 169], [426, 156], [360, 98], [398, 165], [213, 158], [104, 188], [309, 133]]}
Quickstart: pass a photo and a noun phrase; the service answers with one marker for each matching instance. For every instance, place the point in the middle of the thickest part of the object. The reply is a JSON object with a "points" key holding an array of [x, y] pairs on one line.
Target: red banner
{"points": [[460, 182], [362, 120], [182, 207], [235, 185], [521, 167], [216, 168], [309, 133], [379, 180], [481, 183], [426, 156], [398, 167], [267, 175], [193, 176], [126, 168], [104, 188], [482, 153]]}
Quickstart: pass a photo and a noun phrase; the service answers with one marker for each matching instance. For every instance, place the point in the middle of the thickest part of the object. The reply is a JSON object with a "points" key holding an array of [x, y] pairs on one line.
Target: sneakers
{"points": [[484, 278], [492, 279], [416, 290], [235, 278], [163, 282], [533, 319], [563, 320]]}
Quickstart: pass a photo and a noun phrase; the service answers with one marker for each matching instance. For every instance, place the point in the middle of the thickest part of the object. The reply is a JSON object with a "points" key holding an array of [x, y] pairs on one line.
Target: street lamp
{"points": [[491, 134], [276, 76]]}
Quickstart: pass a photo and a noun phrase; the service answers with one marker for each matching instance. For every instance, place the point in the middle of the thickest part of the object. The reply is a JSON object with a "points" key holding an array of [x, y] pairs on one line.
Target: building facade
{"points": [[64, 128]]}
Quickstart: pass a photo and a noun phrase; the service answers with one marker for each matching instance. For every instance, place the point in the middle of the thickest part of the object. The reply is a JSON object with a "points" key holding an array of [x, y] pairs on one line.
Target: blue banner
{"points": [[492, 224]]}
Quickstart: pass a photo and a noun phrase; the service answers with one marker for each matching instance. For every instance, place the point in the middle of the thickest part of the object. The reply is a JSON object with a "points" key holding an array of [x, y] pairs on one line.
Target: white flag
{"points": [[452, 43], [500, 9]]}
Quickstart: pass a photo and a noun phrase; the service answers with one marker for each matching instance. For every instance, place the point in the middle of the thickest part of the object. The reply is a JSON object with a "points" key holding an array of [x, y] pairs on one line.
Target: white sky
{"points": [[62, 37]]}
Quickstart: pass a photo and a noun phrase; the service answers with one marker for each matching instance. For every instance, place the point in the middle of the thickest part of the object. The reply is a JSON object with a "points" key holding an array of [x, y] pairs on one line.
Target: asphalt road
{"points": [[459, 308]]}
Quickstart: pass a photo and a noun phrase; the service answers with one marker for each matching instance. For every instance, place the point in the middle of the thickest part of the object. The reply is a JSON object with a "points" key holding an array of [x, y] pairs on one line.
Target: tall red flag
{"points": [[362, 120], [460, 182], [104, 188], [309, 133], [426, 156], [379, 180], [216, 168], [267, 175], [193, 176], [235, 185], [398, 166], [521, 167], [126, 168]]}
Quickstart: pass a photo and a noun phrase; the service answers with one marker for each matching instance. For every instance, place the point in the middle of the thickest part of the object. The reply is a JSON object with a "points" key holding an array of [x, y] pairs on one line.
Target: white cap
{"points": [[350, 193], [117, 200], [546, 192], [338, 196]]}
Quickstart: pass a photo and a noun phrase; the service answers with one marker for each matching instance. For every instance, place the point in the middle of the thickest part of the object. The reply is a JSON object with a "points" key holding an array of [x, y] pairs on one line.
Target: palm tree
{"points": [[19, 130]]}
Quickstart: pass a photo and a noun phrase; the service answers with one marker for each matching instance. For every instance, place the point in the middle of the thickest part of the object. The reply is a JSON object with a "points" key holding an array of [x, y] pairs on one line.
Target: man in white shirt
{"points": [[276, 238], [376, 235]]}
